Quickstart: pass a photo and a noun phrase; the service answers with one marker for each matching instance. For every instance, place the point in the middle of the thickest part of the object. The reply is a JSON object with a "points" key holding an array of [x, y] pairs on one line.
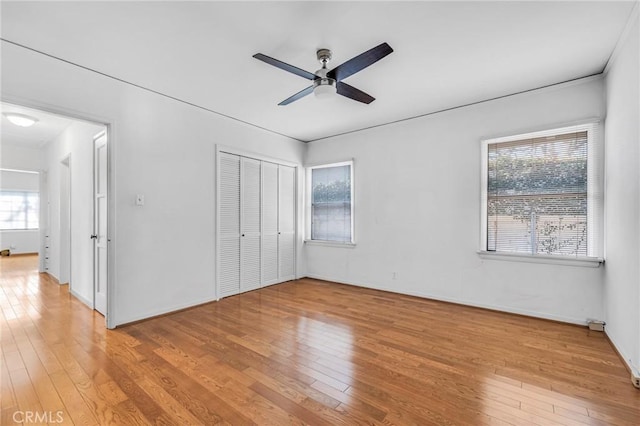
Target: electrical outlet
{"points": [[635, 380], [139, 200]]}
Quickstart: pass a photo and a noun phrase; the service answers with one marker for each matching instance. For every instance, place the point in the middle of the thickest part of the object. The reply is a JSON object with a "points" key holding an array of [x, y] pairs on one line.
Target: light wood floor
{"points": [[304, 352]]}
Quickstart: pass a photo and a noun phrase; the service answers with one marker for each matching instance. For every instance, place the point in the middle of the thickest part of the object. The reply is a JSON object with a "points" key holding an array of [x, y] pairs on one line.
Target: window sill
{"points": [[329, 243], [588, 262]]}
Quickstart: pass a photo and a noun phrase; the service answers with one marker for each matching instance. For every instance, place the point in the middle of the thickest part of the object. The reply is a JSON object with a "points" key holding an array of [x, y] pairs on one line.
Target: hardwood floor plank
{"points": [[301, 352], [74, 404]]}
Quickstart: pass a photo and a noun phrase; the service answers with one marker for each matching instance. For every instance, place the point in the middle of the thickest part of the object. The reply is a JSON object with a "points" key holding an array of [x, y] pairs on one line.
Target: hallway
{"points": [[43, 330]]}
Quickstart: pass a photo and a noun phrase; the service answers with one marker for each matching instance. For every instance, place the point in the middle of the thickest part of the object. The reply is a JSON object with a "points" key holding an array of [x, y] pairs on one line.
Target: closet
{"points": [[256, 223]]}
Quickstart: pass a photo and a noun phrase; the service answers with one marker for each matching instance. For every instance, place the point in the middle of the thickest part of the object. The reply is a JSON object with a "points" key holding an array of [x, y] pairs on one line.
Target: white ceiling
{"points": [[447, 54], [47, 128]]}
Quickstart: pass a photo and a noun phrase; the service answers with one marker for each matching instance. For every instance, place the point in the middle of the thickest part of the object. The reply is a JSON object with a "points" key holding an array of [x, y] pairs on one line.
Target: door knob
{"points": [[94, 237]]}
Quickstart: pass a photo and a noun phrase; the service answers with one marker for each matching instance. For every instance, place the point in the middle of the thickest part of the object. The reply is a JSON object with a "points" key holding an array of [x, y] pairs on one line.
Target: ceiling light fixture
{"points": [[21, 120], [324, 87]]}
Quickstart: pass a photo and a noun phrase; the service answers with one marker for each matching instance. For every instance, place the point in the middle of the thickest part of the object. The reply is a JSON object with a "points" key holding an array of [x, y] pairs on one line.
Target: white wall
{"points": [[75, 143], [164, 149], [417, 209], [22, 240], [622, 192], [19, 180], [20, 158]]}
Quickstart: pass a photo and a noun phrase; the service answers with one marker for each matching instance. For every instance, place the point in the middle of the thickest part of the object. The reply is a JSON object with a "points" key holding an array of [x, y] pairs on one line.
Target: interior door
{"points": [[269, 223], [100, 223], [229, 225], [286, 223], [250, 258]]}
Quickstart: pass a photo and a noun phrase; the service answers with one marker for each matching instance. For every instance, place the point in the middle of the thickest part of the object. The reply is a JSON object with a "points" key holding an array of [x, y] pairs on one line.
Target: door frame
{"points": [[110, 128], [256, 156], [65, 164]]}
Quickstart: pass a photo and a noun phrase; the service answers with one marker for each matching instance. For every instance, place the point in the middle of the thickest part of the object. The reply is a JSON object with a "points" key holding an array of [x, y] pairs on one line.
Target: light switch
{"points": [[139, 200]]}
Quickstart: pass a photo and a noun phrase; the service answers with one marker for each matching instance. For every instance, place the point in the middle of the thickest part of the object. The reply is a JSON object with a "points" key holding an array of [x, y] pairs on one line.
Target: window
{"points": [[543, 193], [19, 210], [331, 206]]}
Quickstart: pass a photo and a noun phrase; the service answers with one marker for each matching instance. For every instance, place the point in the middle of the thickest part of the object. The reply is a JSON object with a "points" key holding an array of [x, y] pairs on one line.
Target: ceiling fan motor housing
{"points": [[323, 55], [322, 79]]}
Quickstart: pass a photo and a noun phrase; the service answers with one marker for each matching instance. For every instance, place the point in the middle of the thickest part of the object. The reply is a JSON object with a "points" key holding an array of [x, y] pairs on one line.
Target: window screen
{"points": [[537, 195], [331, 213], [19, 210]]}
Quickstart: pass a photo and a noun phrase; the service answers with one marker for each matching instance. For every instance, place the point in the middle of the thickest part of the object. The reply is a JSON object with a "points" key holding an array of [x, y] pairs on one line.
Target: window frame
{"points": [[25, 195], [595, 197], [309, 210]]}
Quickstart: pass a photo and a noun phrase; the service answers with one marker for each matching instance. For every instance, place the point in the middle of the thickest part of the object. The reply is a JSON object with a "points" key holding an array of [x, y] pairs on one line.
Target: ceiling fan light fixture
{"points": [[324, 88], [21, 120]]}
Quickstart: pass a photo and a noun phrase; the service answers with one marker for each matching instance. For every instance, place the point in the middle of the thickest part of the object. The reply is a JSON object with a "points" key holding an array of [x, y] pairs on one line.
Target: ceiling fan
{"points": [[326, 82]]}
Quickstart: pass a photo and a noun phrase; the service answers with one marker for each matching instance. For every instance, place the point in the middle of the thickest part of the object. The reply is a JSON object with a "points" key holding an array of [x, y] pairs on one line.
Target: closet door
{"points": [[229, 225], [269, 223], [286, 223], [250, 259]]}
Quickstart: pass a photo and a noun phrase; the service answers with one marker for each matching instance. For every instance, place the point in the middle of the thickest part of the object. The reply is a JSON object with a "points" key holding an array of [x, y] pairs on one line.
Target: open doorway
{"points": [[62, 150]]}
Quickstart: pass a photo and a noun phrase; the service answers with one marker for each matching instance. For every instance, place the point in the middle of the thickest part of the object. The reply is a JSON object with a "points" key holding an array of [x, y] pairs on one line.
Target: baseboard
{"points": [[162, 312], [84, 300], [498, 308], [626, 362], [52, 277], [23, 254]]}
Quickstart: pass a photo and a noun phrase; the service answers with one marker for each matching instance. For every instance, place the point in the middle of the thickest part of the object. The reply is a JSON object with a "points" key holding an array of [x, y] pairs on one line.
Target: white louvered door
{"points": [[229, 225], [269, 223], [250, 247], [256, 231], [286, 223]]}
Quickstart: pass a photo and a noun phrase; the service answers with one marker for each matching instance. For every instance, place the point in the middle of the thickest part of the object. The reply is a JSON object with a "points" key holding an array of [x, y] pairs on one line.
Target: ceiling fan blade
{"points": [[360, 62], [284, 66], [356, 94], [297, 96]]}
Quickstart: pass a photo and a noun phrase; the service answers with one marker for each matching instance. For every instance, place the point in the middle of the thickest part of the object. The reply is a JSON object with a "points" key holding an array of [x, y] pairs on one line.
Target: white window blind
{"points": [[19, 210], [543, 193], [331, 204]]}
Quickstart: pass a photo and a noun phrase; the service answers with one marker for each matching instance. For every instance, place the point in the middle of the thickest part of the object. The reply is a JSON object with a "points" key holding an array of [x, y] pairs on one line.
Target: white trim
{"points": [[631, 21], [635, 369], [81, 298], [591, 262], [547, 130], [329, 243], [109, 124], [307, 202], [111, 225], [595, 188], [254, 155], [325, 165], [19, 171], [424, 295], [216, 226], [57, 110], [155, 313]]}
